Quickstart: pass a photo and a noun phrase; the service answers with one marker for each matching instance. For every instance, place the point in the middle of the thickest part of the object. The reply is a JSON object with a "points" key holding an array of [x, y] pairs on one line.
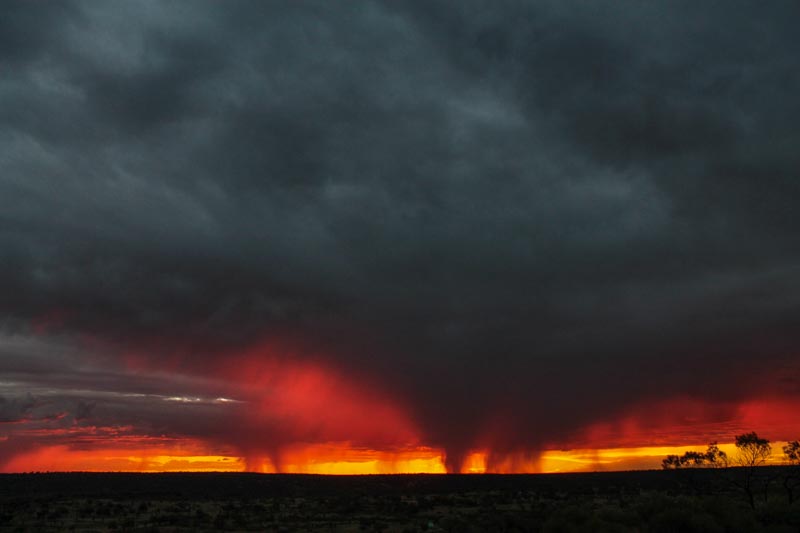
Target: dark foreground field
{"points": [[707, 500]]}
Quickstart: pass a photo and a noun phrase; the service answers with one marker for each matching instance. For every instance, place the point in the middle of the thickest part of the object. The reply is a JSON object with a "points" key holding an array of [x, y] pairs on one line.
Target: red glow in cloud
{"points": [[683, 421], [294, 412], [640, 437], [292, 400]]}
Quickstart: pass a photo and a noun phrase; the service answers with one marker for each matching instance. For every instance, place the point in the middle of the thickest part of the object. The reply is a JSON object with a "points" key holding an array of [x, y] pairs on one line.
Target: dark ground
{"points": [[682, 501]]}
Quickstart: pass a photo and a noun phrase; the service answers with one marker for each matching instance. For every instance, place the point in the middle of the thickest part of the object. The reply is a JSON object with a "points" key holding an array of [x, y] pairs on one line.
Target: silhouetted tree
{"points": [[716, 457], [713, 457], [792, 452], [753, 451], [791, 480], [692, 460], [671, 462]]}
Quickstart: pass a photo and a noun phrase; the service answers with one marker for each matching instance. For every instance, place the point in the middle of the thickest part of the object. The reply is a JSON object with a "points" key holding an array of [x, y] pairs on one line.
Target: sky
{"points": [[400, 236]]}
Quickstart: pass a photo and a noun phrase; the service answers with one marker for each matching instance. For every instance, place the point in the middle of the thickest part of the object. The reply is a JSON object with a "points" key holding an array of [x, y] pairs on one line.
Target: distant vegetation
{"points": [[713, 457], [752, 452], [699, 491], [686, 499]]}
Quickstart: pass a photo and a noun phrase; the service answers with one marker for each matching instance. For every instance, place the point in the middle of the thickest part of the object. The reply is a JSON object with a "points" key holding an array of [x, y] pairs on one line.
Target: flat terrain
{"points": [[700, 500]]}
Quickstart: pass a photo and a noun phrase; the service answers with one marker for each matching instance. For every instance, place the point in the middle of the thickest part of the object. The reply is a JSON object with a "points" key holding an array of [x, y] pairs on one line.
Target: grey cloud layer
{"points": [[498, 202]]}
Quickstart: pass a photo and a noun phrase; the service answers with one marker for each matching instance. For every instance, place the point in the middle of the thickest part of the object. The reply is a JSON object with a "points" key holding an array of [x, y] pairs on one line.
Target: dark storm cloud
{"points": [[16, 409], [484, 206]]}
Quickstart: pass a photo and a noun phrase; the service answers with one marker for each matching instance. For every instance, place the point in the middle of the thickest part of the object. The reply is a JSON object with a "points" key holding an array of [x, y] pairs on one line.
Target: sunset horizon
{"points": [[396, 237]]}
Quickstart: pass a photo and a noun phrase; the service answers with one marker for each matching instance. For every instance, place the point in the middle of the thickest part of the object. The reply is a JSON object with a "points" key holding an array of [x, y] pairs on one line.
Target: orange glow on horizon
{"points": [[63, 459], [341, 459], [592, 460], [332, 459]]}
